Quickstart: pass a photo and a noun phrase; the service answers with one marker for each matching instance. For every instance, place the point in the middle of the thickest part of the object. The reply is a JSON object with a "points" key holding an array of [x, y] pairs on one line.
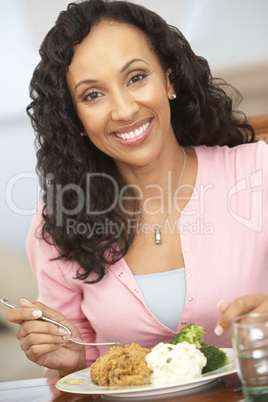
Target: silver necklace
{"points": [[156, 228]]}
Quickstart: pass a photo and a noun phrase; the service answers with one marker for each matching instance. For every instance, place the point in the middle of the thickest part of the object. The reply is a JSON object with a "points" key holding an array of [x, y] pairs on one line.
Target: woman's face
{"points": [[121, 94]]}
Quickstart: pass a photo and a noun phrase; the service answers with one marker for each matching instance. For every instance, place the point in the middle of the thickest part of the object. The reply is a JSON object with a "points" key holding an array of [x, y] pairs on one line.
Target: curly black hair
{"points": [[202, 114]]}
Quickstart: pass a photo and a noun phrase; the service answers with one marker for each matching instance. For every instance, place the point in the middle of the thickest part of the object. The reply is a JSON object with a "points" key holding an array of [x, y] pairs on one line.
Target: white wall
{"points": [[229, 33]]}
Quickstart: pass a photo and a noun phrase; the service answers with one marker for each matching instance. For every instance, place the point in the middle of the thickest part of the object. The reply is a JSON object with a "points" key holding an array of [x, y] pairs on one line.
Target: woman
{"points": [[151, 212]]}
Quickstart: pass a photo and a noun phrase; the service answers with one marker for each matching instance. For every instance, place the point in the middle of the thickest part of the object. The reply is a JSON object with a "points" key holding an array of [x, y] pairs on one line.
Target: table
{"points": [[44, 390]]}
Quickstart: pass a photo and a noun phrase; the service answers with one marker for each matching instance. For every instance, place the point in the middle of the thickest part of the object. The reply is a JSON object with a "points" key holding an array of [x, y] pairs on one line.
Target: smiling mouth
{"points": [[135, 133]]}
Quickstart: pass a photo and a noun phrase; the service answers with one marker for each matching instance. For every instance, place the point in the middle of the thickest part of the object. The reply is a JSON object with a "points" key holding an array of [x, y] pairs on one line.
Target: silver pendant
{"points": [[157, 236]]}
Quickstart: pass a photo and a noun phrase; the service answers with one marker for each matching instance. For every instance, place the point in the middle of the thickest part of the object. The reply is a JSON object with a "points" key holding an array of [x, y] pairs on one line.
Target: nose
{"points": [[123, 107]]}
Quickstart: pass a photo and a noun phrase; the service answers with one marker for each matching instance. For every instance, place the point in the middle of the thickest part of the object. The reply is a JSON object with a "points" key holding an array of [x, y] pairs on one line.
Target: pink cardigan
{"points": [[224, 238]]}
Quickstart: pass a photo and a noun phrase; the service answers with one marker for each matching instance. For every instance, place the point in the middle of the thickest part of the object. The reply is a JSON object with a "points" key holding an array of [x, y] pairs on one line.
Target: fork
{"points": [[73, 337]]}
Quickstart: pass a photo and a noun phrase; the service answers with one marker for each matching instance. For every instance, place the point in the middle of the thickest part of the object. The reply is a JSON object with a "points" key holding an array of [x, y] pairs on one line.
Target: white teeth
{"points": [[133, 134]]}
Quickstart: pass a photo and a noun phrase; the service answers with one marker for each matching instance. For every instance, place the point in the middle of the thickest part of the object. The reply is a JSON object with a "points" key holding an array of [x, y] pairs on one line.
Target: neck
{"points": [[157, 184], [165, 167]]}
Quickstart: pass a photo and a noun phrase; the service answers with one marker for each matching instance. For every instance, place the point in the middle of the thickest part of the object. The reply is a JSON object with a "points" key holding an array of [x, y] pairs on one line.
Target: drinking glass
{"points": [[250, 343]]}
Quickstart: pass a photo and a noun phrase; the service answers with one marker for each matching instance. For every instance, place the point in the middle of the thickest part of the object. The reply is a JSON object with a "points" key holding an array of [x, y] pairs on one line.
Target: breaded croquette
{"points": [[122, 366]]}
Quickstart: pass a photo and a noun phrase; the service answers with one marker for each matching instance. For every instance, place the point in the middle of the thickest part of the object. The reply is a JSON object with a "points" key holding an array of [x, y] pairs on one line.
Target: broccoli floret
{"points": [[191, 334], [216, 358]]}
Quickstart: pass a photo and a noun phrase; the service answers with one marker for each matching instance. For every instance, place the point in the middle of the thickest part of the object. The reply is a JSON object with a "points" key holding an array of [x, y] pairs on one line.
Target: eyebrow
{"points": [[125, 67]]}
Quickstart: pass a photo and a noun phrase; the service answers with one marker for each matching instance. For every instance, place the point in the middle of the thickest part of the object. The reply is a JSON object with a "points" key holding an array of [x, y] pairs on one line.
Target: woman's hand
{"points": [[45, 343], [256, 303]]}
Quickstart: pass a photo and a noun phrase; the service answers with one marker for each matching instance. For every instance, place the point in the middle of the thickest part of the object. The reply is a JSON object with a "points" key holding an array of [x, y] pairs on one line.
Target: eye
{"points": [[91, 96], [137, 77]]}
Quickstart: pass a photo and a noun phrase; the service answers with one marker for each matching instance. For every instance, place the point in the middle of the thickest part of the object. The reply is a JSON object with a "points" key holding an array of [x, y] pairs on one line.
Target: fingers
{"points": [[41, 327], [35, 305], [47, 312], [33, 334], [223, 305], [18, 315], [38, 353], [39, 338], [256, 303], [29, 311], [33, 331], [53, 342], [46, 343]]}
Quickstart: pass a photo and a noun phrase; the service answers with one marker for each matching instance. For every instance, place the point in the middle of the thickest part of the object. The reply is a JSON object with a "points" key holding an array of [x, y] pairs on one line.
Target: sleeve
{"points": [[56, 287]]}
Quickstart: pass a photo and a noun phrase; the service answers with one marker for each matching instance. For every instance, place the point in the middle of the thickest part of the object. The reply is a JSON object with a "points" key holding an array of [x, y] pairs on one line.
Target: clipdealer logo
{"points": [[248, 192], [252, 187]]}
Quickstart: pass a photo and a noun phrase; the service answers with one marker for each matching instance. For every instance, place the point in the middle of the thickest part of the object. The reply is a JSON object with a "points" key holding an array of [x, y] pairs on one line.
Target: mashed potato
{"points": [[174, 363]]}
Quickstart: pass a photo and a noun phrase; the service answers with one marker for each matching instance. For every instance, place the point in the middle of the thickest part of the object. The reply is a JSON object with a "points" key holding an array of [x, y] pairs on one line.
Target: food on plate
{"points": [[193, 334], [216, 358], [175, 363], [122, 366], [186, 357], [134, 365]]}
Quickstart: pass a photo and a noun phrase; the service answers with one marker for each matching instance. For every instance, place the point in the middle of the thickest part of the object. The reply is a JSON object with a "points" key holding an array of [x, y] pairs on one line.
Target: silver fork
{"points": [[73, 337]]}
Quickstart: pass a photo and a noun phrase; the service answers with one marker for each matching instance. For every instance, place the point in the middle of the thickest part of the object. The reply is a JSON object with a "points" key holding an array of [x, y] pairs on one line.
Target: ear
{"points": [[170, 89]]}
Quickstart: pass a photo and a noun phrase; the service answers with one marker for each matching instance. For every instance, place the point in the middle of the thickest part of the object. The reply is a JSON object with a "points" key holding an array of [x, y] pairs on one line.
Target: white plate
{"points": [[80, 383]]}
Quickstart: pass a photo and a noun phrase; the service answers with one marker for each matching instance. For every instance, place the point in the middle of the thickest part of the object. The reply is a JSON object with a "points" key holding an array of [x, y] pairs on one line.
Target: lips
{"points": [[133, 131]]}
